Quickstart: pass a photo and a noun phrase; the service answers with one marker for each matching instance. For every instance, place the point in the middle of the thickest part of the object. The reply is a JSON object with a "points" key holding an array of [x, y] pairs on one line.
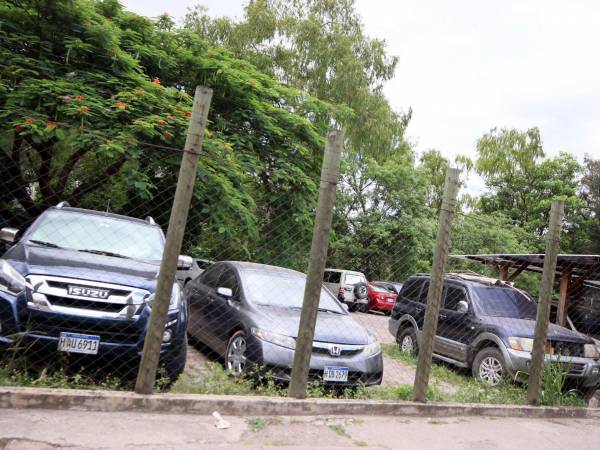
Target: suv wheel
{"points": [[235, 356], [407, 341], [489, 366]]}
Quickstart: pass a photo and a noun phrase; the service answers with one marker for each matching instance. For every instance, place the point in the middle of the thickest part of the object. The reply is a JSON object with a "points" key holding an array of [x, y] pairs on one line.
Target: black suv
{"points": [[488, 325]]}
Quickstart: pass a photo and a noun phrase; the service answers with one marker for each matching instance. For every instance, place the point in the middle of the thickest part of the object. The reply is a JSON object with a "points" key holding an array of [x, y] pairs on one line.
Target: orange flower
{"points": [[52, 124], [80, 98], [138, 91], [121, 106], [166, 134], [188, 114], [156, 81], [84, 110], [160, 123], [29, 121]]}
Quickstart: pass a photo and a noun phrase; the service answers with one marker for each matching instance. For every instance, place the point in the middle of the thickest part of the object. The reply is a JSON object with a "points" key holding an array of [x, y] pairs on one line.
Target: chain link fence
{"points": [[82, 255]]}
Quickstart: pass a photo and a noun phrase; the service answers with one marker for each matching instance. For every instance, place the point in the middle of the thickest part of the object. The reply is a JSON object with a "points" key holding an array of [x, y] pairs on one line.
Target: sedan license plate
{"points": [[335, 374], [78, 343], [390, 300]]}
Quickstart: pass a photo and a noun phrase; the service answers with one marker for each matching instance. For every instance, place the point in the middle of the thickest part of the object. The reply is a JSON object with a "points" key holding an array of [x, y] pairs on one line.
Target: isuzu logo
{"points": [[335, 350], [90, 292]]}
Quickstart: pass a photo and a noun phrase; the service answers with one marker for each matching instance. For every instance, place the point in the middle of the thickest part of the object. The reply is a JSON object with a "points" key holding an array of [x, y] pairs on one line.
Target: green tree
{"points": [[94, 105], [522, 182]]}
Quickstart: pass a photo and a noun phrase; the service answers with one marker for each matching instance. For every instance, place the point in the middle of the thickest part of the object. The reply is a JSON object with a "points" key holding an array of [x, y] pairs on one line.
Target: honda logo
{"points": [[335, 350]]}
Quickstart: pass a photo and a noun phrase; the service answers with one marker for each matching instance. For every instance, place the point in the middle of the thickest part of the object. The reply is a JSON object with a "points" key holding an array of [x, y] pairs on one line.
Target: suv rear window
{"points": [[352, 278], [332, 277], [411, 290]]}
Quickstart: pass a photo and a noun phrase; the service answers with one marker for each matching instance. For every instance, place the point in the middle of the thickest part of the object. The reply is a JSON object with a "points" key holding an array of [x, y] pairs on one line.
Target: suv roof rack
{"points": [[63, 204], [150, 220]]}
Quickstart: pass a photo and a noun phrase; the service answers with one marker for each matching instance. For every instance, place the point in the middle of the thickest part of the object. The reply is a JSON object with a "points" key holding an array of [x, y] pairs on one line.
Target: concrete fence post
{"points": [[179, 212], [536, 370], [316, 266], [436, 285]]}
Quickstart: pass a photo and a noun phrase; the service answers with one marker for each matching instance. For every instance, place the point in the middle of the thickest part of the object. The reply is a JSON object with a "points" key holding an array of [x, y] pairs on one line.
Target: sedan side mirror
{"points": [[8, 235], [462, 307], [225, 292], [184, 262]]}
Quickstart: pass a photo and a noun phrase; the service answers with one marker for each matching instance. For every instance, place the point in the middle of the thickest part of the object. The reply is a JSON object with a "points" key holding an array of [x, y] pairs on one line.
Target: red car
{"points": [[380, 299]]}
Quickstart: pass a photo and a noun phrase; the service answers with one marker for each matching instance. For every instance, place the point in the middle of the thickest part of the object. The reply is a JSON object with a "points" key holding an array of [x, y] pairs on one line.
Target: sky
{"points": [[468, 66]]}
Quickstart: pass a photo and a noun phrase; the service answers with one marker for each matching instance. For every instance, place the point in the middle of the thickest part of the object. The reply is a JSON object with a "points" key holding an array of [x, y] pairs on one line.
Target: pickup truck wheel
{"points": [[407, 341], [489, 366]]}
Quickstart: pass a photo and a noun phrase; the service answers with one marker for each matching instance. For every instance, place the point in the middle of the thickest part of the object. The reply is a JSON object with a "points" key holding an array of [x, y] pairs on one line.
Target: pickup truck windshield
{"points": [[99, 235], [498, 301]]}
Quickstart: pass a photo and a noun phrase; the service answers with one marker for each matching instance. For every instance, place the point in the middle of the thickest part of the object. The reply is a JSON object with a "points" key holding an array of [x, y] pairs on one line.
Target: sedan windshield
{"points": [[284, 289], [500, 301], [97, 234]]}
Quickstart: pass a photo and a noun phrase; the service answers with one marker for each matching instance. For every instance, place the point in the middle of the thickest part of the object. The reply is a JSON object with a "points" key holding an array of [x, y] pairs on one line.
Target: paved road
{"points": [[41, 430]]}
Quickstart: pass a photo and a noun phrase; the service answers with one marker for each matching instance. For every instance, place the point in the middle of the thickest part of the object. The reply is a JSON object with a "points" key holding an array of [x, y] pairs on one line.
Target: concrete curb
{"points": [[111, 401]]}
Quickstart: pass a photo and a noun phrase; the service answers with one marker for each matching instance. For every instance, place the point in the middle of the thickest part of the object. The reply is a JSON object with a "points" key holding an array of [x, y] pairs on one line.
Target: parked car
{"points": [[391, 286], [488, 326], [187, 274], [349, 286], [381, 299], [83, 282], [249, 313]]}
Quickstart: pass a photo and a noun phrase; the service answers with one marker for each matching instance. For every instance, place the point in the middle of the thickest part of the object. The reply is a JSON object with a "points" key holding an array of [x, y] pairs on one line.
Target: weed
{"points": [[339, 430], [256, 424]]}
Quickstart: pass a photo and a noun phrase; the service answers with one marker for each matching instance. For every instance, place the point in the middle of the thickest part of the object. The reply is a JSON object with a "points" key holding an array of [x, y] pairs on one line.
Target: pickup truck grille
{"points": [[109, 331], [85, 298]]}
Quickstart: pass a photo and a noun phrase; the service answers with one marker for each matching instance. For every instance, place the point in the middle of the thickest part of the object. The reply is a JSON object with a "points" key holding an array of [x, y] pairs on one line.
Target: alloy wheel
{"points": [[490, 370], [236, 355], [407, 345]]}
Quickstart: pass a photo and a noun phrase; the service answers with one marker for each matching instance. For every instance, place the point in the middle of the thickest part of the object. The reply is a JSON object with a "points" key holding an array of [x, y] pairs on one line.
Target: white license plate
{"points": [[390, 300], [78, 343], [335, 374]]}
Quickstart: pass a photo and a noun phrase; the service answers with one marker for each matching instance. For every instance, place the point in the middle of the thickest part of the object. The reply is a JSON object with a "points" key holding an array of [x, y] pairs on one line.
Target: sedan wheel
{"points": [[236, 353], [489, 366]]}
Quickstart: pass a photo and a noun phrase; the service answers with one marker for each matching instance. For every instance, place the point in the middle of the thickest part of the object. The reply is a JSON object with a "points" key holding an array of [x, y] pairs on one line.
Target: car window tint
{"points": [[454, 294], [378, 288], [424, 292], [411, 290], [228, 279], [211, 276], [332, 277], [352, 278]]}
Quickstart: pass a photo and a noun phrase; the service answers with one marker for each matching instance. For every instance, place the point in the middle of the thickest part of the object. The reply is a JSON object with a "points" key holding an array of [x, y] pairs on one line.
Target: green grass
{"points": [[471, 391], [339, 430], [256, 424]]}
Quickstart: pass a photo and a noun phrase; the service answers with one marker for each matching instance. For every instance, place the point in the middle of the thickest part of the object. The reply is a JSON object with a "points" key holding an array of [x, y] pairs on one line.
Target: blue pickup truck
{"points": [[83, 282]]}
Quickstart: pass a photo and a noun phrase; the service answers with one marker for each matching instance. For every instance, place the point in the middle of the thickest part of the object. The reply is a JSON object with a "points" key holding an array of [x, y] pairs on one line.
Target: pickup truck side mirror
{"points": [[225, 292], [8, 235], [184, 262], [462, 307]]}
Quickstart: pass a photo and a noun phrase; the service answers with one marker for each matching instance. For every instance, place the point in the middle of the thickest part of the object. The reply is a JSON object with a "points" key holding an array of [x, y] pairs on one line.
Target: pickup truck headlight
{"points": [[175, 301], [274, 338], [591, 351], [372, 349], [11, 281], [521, 344]]}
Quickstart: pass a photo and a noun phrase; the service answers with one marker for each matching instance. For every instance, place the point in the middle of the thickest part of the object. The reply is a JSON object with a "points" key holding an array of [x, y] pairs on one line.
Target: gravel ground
{"points": [[394, 372]]}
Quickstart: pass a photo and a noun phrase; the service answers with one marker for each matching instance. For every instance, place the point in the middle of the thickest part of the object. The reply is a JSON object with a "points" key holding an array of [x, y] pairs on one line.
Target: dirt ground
{"points": [[394, 372], [41, 430]]}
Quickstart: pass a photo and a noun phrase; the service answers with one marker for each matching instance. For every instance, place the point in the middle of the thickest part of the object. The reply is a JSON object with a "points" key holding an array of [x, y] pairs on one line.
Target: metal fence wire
{"points": [[79, 271]]}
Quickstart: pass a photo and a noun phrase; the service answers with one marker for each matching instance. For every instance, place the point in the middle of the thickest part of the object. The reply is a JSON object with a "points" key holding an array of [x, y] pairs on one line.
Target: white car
{"points": [[185, 275], [349, 286]]}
